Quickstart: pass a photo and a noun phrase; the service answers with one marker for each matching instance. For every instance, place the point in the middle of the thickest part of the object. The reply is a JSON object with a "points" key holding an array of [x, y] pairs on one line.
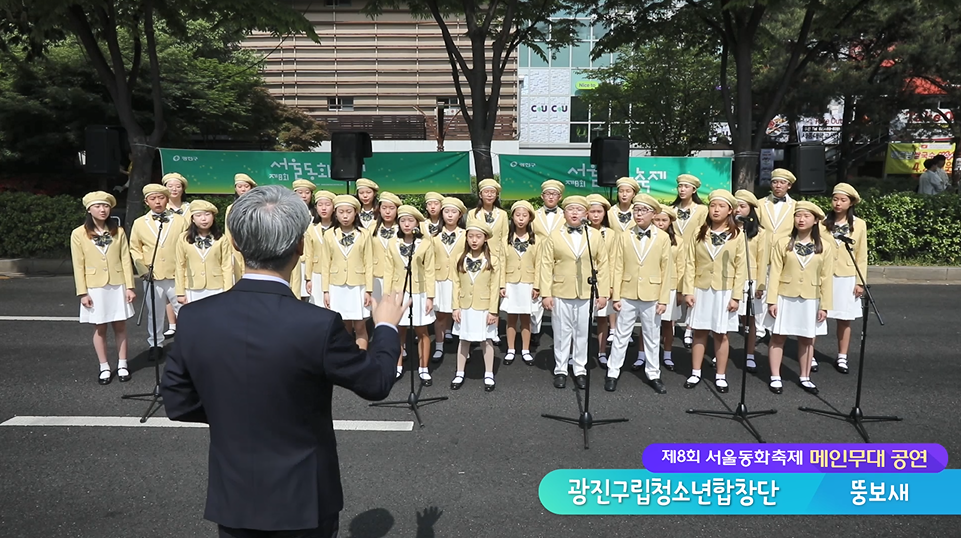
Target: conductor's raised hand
{"points": [[390, 309]]}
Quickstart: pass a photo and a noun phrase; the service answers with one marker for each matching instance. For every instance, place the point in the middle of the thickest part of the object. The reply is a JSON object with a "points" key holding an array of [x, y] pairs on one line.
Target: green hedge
{"points": [[902, 227]]}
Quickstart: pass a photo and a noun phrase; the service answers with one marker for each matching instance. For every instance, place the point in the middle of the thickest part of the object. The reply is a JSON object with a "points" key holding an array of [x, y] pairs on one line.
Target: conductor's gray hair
{"points": [[266, 224]]}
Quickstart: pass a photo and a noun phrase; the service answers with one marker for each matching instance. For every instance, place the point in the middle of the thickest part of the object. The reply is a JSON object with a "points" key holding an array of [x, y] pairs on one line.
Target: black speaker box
{"points": [[807, 162], [103, 147], [348, 149], [610, 156]]}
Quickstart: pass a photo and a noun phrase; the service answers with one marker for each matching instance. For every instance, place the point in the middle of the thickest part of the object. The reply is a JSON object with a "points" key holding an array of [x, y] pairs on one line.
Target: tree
{"points": [[740, 30], [664, 92], [494, 31], [99, 26]]}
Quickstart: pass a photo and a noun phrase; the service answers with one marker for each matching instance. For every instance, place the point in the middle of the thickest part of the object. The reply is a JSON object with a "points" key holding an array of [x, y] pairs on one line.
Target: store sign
{"points": [[587, 84]]}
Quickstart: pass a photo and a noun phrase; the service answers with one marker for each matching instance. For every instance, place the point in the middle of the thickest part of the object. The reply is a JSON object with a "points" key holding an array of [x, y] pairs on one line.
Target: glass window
{"points": [[578, 109], [600, 30], [561, 58], [523, 56], [580, 132], [584, 31], [603, 61], [581, 55], [620, 129], [600, 113], [536, 60]]}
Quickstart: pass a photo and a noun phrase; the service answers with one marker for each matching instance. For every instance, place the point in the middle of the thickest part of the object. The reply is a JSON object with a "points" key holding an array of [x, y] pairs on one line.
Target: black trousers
{"points": [[327, 529]]}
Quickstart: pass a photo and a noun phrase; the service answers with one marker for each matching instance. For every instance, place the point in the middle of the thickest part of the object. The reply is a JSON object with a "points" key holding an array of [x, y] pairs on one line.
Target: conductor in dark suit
{"points": [[258, 365]]}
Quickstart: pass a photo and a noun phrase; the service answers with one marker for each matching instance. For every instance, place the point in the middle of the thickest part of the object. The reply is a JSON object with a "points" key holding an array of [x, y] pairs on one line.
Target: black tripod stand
{"points": [[586, 421], [413, 400], [156, 352], [856, 416], [741, 414]]}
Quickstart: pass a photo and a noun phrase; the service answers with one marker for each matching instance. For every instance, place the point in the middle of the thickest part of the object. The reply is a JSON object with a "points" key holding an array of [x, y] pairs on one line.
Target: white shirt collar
{"points": [[267, 278]]}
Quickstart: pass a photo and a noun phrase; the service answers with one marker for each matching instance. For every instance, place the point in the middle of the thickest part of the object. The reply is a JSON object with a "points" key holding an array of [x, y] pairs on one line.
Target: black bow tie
{"points": [[161, 217], [489, 218], [623, 218], [841, 229], [550, 210], [204, 242], [575, 229], [640, 234], [779, 200], [102, 240], [472, 265], [718, 239], [367, 215], [406, 250], [683, 214], [804, 249], [448, 238], [177, 211], [432, 228], [347, 239], [386, 233], [521, 246]]}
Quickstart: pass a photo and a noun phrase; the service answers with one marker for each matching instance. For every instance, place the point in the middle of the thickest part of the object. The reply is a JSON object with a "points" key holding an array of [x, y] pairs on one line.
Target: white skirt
{"points": [[444, 296], [518, 300], [196, 295], [846, 305], [673, 310], [759, 305], [710, 311], [796, 317], [348, 301], [316, 285], [473, 326], [378, 291], [109, 305], [303, 280], [422, 318]]}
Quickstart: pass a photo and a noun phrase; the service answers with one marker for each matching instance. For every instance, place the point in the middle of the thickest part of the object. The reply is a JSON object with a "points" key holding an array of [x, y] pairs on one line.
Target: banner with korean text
{"points": [[522, 175], [212, 172], [908, 157]]}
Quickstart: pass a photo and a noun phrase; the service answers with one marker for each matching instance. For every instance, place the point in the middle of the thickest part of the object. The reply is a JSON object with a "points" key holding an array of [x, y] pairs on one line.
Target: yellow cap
{"points": [[630, 182], [324, 194], [99, 197], [489, 184], [153, 188], [244, 178], [198, 206], [410, 211], [433, 197], [747, 197], [389, 197], [346, 199], [303, 184], [575, 200], [723, 194], [846, 189], [599, 200], [808, 206], [364, 182], [523, 204], [783, 173], [552, 184], [648, 200], [669, 211], [480, 225], [174, 176], [450, 201], [690, 180]]}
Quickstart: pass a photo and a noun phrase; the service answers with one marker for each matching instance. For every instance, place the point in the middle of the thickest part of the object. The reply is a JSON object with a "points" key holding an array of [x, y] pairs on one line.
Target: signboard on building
{"points": [[908, 157]]}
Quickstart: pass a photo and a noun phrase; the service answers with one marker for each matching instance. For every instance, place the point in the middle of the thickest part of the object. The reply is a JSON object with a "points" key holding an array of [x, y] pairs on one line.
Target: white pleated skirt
{"points": [[796, 317], [846, 305], [759, 305], [317, 293], [710, 311], [518, 300], [673, 310], [348, 301], [196, 295], [378, 292], [444, 296], [422, 318], [473, 326], [109, 305]]}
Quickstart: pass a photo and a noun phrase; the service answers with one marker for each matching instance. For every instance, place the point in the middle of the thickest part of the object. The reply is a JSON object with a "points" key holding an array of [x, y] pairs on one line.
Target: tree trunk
{"points": [[141, 175], [845, 139], [746, 158], [483, 161], [746, 165]]}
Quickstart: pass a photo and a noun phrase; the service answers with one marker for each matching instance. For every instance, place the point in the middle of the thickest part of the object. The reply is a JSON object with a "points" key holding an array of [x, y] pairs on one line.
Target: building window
{"points": [[343, 104], [448, 101]]}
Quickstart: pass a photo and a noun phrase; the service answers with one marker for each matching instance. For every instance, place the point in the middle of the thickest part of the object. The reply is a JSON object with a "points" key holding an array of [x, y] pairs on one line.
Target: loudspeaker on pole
{"points": [[348, 149], [610, 155], [103, 147]]}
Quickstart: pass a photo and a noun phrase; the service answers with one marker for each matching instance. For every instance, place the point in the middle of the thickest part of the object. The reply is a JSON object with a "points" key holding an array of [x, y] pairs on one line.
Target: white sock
{"points": [[842, 356], [775, 381], [400, 369], [719, 380], [104, 366], [173, 326], [696, 373], [525, 352], [423, 370], [439, 346], [459, 374], [488, 378], [602, 358], [667, 355], [122, 363], [510, 352], [720, 377]]}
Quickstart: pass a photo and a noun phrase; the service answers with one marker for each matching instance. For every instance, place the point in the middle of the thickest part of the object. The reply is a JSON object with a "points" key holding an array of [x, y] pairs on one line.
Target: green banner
{"points": [[522, 175], [212, 172]]}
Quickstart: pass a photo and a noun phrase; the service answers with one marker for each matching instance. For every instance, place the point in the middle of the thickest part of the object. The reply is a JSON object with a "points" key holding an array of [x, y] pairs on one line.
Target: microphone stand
{"points": [[741, 414], [413, 399], [155, 355], [857, 417], [586, 421]]}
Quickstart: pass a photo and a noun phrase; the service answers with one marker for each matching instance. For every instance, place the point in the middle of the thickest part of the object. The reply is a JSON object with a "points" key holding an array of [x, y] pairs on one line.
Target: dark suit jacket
{"points": [[259, 366]]}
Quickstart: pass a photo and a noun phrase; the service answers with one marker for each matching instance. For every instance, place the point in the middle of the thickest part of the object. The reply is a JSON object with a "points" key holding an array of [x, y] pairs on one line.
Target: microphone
{"points": [[844, 239], [415, 232], [585, 222], [744, 218]]}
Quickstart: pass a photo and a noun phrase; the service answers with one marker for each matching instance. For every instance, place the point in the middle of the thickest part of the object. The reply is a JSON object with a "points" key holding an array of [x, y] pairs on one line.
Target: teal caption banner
{"points": [[640, 492]]}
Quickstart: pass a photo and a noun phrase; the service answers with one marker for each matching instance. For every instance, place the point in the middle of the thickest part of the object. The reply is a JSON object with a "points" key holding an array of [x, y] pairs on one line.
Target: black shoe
{"points": [[812, 389], [438, 355], [610, 384], [776, 390], [560, 381], [690, 385], [722, 389], [528, 359], [669, 365], [454, 385], [107, 380], [602, 364], [841, 366], [814, 366], [751, 369], [508, 358], [489, 387], [426, 382], [581, 381], [123, 375], [658, 386], [637, 367]]}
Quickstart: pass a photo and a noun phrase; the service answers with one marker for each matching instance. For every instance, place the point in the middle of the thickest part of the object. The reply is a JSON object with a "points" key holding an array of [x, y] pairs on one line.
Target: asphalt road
{"points": [[474, 469]]}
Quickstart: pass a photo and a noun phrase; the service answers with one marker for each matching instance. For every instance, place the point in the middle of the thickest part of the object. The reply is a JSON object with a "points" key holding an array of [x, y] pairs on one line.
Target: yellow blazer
{"points": [[687, 229], [348, 266], [482, 293], [613, 215], [95, 269], [422, 272], [790, 279], [212, 270], [725, 271], [315, 250], [542, 228], [564, 271], [679, 256], [523, 267], [843, 266], [238, 258], [446, 256], [780, 225], [759, 257], [497, 243], [425, 227], [643, 273], [143, 238], [378, 244]]}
